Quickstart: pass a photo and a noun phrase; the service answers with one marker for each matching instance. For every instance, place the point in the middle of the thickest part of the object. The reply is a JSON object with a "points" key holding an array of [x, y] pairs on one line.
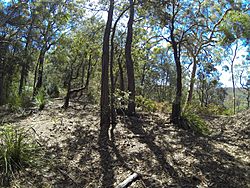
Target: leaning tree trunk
{"points": [[105, 108], [129, 61]]}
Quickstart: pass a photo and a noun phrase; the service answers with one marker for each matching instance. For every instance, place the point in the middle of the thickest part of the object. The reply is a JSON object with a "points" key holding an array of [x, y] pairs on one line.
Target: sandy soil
{"points": [[148, 144]]}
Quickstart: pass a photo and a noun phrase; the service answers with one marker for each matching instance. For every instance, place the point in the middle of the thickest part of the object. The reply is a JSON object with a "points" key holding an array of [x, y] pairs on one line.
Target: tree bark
{"points": [[1, 82], [104, 103], [192, 82], [176, 108], [233, 80], [121, 77], [67, 97], [129, 61], [26, 61]]}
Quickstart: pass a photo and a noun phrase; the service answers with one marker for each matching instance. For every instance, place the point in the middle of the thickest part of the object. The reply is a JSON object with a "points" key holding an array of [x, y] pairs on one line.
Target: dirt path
{"points": [[162, 154]]}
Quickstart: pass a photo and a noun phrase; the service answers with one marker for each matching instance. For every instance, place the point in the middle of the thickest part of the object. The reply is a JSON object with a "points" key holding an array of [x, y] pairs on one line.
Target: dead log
{"points": [[128, 181]]}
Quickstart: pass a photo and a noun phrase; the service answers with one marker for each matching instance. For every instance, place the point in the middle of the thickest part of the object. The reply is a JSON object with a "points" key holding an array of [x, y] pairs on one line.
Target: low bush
{"points": [[192, 120], [14, 101], [53, 90], [146, 104], [40, 99], [17, 151]]}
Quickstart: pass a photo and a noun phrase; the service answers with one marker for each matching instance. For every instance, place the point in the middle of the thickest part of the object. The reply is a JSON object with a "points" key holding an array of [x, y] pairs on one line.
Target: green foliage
{"points": [[146, 104], [17, 150], [121, 99], [209, 110], [17, 102], [40, 99], [236, 25], [53, 90], [194, 121], [14, 101]]}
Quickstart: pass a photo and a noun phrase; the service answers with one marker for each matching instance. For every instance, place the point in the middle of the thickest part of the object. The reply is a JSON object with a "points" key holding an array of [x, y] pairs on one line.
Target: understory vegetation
{"points": [[161, 70]]}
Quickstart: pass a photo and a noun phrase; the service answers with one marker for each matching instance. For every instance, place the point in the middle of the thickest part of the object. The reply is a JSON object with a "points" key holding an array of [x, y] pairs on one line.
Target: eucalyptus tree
{"points": [[13, 17], [235, 28], [74, 58], [52, 20], [204, 34], [208, 86]]}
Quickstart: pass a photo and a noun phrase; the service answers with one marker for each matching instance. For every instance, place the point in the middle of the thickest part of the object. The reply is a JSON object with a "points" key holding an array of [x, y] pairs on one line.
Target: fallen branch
{"points": [[128, 181]]}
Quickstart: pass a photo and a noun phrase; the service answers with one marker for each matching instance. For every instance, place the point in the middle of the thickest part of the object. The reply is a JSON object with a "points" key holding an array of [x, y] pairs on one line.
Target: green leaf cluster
{"points": [[17, 151]]}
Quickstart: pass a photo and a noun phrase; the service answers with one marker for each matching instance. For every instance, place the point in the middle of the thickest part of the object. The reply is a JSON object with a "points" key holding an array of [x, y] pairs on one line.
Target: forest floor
{"points": [[163, 155]]}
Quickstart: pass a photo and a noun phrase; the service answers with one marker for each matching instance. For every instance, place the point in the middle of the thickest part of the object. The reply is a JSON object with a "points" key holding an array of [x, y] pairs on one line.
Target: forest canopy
{"points": [[153, 55]]}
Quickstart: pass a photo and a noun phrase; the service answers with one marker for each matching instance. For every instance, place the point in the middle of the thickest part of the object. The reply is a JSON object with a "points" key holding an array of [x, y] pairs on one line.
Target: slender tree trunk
{"points": [[86, 86], [248, 98], [232, 75], [1, 82], [35, 77], [3, 51], [176, 108], [82, 78], [40, 71], [191, 86], [121, 83], [105, 108], [129, 61], [26, 61], [112, 84], [67, 97]]}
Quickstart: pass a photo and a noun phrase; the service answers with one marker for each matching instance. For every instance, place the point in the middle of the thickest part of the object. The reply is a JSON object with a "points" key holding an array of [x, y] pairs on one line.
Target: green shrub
{"points": [[18, 102], [211, 109], [15, 101], [53, 90], [194, 121], [40, 99], [17, 151], [146, 104], [121, 99]]}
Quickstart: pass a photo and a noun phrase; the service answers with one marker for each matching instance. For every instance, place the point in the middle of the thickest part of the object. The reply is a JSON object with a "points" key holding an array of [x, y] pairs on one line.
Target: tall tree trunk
{"points": [[26, 61], [104, 103], [40, 71], [3, 51], [38, 78], [248, 98], [112, 82], [192, 81], [232, 75], [67, 97], [1, 81], [88, 72], [129, 61], [121, 77], [176, 108]]}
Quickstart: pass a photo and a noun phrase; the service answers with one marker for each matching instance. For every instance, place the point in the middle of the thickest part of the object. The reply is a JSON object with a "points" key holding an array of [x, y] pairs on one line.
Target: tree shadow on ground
{"points": [[209, 165], [136, 125], [217, 166], [81, 160]]}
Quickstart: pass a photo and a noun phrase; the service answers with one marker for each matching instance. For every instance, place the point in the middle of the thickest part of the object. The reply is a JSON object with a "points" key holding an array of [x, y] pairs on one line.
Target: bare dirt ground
{"points": [[148, 144]]}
